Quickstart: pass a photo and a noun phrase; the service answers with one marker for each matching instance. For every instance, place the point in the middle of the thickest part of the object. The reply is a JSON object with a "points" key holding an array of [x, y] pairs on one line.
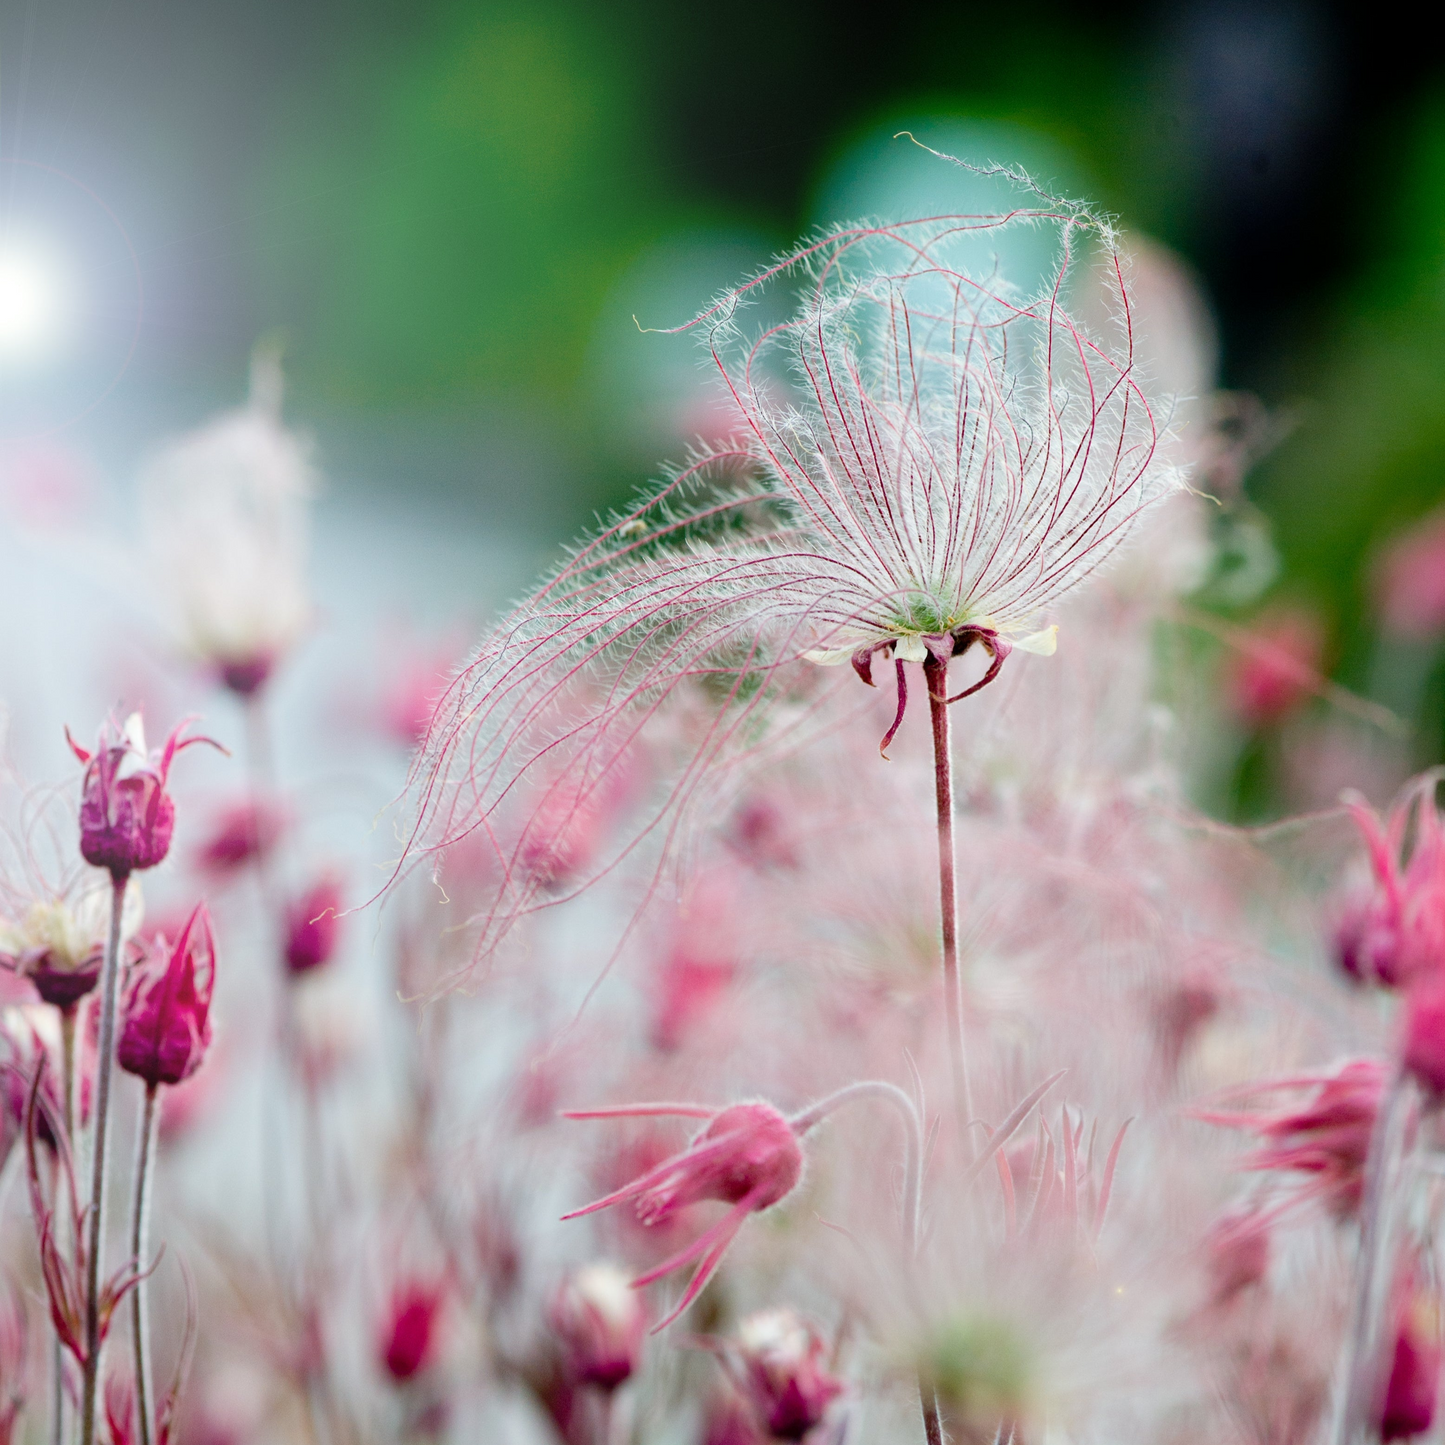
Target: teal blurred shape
{"points": [[652, 387], [882, 174]]}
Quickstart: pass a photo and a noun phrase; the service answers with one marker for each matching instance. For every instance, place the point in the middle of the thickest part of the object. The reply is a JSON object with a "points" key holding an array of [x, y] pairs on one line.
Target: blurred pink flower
{"points": [[748, 1156], [126, 815], [1413, 1385], [599, 1320], [1397, 930], [240, 834], [14, 1364], [313, 926], [166, 1028], [1278, 666], [1410, 580], [1326, 1137], [1237, 1253]]}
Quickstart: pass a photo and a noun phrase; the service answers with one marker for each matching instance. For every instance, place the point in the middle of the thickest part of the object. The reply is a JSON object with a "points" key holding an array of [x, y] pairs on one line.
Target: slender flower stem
{"points": [[67, 1066], [1359, 1360], [935, 675], [139, 1244], [932, 1429], [100, 1149]]}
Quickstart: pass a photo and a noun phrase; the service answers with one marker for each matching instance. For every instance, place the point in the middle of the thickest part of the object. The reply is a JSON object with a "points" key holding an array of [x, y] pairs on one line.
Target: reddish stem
{"points": [[935, 674]]}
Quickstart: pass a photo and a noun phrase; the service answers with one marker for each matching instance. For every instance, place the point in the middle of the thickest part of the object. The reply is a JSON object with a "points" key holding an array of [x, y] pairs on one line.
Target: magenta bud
{"points": [[1423, 1045], [778, 1359], [246, 676], [126, 815], [411, 1328], [747, 1156], [599, 1321], [166, 1027], [243, 833], [1411, 1391], [313, 927]]}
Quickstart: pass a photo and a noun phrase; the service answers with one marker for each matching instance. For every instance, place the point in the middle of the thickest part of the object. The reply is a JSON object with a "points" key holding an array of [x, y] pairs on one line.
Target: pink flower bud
{"points": [[410, 1330], [599, 1320], [126, 815], [167, 1028], [313, 927], [1408, 1407], [778, 1359], [747, 1156]]}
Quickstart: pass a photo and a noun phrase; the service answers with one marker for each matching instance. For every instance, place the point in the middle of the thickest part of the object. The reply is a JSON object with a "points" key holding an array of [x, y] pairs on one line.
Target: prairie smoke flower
{"points": [[929, 460], [29, 1048], [225, 511], [1397, 929], [748, 1156], [778, 1361], [59, 945], [1327, 1136], [599, 1320], [411, 1328], [313, 927], [126, 815], [166, 1028]]}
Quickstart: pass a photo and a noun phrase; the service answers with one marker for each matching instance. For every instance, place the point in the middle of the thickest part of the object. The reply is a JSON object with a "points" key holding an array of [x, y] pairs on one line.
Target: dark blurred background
{"points": [[448, 214]]}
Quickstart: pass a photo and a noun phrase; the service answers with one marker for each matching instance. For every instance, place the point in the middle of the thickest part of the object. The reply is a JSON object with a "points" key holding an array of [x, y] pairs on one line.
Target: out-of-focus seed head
{"points": [[59, 943], [979, 1369]]}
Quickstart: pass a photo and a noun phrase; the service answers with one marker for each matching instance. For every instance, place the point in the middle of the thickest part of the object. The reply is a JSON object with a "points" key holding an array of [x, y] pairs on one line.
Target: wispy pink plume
{"points": [[926, 450]]}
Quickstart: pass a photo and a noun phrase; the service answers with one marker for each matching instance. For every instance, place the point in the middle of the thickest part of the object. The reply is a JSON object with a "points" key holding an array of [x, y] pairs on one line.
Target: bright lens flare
{"points": [[35, 303]]}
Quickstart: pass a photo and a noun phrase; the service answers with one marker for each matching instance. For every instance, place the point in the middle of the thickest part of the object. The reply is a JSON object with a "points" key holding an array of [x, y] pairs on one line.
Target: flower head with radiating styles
{"points": [[927, 461], [166, 1029], [748, 1157], [126, 815]]}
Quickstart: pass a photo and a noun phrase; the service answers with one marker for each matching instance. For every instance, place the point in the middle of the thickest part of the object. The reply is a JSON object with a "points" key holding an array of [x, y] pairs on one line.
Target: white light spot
{"points": [[35, 302]]}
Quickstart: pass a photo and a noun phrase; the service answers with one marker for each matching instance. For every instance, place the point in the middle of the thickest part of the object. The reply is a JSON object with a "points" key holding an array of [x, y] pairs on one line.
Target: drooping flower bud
{"points": [[747, 1156], [167, 1027], [599, 1320], [126, 815], [411, 1328], [778, 1360], [313, 927], [60, 946]]}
